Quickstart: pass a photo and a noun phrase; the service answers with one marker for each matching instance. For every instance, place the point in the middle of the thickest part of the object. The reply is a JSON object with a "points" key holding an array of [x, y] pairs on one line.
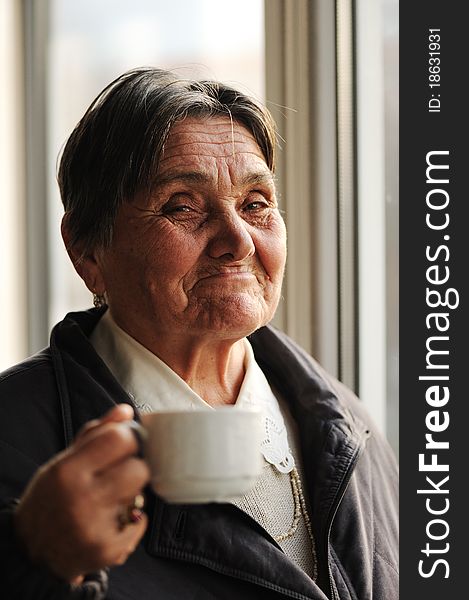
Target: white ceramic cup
{"points": [[200, 456]]}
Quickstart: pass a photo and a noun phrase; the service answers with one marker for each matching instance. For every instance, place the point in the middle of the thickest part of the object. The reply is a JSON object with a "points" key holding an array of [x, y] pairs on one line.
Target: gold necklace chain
{"points": [[299, 510]]}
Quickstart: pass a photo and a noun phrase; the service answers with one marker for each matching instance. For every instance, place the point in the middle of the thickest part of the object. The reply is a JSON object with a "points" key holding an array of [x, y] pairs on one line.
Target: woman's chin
{"points": [[236, 318]]}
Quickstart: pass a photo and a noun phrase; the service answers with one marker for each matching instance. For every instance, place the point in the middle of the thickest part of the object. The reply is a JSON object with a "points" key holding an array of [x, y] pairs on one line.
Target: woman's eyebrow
{"points": [[262, 177], [184, 176]]}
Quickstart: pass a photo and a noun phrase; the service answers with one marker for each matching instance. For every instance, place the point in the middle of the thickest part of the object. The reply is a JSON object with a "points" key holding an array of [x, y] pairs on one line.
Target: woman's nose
{"points": [[231, 237]]}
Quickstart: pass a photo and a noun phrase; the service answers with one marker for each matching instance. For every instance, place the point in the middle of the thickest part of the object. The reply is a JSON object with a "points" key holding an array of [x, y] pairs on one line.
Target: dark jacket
{"points": [[212, 551]]}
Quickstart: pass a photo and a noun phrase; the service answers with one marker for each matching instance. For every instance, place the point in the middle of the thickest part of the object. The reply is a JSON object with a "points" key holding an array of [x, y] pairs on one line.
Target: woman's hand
{"points": [[68, 517]]}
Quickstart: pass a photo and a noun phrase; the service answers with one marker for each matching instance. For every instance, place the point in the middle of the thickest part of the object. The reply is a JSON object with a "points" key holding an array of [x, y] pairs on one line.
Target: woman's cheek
{"points": [[273, 252]]}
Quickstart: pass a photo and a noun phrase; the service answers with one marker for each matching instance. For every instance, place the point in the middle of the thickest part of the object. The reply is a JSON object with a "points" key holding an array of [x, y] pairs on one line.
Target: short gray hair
{"points": [[113, 153]]}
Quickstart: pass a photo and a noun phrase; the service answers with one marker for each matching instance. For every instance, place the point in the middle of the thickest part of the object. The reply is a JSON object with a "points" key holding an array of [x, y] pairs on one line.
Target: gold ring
{"points": [[132, 513]]}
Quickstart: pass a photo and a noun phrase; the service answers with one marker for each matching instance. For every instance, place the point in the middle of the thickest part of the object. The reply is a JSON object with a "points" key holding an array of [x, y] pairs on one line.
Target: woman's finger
{"points": [[103, 447], [123, 480], [129, 537], [117, 414]]}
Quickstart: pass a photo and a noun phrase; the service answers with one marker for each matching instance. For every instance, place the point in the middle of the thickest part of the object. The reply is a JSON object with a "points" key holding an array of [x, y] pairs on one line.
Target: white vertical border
{"points": [[13, 304], [36, 18], [346, 192], [371, 209], [325, 266]]}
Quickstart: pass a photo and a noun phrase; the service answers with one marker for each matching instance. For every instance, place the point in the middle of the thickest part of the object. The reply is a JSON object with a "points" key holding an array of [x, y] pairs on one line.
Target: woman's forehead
{"points": [[216, 136], [199, 148]]}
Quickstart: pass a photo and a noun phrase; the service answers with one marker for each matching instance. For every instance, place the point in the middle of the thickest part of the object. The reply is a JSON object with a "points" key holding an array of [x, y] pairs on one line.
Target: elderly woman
{"points": [[171, 220]]}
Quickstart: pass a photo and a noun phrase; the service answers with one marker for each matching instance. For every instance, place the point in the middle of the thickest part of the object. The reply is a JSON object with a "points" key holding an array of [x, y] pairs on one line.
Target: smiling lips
{"points": [[230, 273], [234, 271]]}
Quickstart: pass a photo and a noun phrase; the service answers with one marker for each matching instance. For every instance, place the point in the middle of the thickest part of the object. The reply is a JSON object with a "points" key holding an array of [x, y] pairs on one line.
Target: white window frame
{"points": [[13, 287]]}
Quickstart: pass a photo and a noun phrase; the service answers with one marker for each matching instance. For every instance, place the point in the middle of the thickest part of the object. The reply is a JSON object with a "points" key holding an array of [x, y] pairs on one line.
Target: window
{"points": [[312, 61]]}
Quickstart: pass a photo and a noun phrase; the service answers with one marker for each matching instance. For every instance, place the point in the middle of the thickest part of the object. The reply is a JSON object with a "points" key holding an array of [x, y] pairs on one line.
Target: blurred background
{"points": [[327, 70]]}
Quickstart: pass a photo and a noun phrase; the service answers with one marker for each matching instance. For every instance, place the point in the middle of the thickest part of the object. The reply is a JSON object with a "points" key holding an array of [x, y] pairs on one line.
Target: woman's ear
{"points": [[87, 264]]}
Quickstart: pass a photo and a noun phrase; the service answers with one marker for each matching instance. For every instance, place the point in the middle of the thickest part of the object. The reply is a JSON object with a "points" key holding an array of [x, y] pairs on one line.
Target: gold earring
{"points": [[98, 300]]}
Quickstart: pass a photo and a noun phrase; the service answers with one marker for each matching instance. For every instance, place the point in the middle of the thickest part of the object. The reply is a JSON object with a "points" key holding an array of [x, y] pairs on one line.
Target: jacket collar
{"points": [[79, 370], [332, 437]]}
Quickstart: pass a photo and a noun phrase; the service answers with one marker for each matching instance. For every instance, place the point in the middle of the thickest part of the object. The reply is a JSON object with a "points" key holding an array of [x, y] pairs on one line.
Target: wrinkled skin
{"points": [[68, 518], [204, 255]]}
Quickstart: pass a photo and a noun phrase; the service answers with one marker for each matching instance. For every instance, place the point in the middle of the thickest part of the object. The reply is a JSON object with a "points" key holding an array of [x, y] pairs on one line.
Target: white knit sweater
{"points": [[271, 504]]}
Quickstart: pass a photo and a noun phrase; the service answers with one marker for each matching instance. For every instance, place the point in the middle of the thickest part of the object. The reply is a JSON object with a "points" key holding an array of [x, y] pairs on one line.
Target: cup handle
{"points": [[140, 436]]}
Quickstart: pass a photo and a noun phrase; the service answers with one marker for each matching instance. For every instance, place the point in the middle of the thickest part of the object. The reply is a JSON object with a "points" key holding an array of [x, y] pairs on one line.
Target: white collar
{"points": [[154, 386]]}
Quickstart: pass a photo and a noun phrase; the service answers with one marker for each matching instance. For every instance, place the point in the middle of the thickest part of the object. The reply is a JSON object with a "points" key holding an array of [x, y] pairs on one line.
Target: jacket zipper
{"points": [[335, 508]]}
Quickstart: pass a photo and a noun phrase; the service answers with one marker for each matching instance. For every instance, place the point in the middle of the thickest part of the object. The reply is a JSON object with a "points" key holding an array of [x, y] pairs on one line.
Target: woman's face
{"points": [[205, 254]]}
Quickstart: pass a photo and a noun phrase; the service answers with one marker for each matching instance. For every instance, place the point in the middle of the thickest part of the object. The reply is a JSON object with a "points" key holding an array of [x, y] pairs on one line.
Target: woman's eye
{"points": [[256, 203], [180, 209], [178, 204]]}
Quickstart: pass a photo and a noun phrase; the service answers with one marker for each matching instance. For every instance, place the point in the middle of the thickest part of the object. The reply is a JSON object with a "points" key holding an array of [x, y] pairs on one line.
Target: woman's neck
{"points": [[213, 369], [211, 365]]}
